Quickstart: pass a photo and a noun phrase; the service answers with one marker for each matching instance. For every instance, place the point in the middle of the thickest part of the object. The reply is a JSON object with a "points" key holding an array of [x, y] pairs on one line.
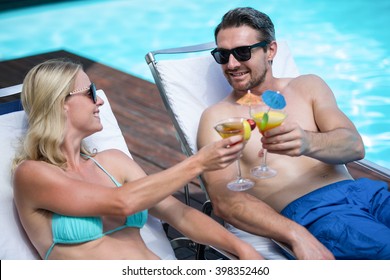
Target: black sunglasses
{"points": [[91, 92], [243, 53]]}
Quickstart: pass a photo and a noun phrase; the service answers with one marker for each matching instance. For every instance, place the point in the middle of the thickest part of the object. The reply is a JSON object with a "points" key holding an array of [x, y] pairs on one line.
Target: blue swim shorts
{"points": [[351, 218]]}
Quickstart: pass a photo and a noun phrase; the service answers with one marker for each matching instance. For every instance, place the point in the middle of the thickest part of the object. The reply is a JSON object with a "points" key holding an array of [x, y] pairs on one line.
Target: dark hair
{"points": [[248, 16]]}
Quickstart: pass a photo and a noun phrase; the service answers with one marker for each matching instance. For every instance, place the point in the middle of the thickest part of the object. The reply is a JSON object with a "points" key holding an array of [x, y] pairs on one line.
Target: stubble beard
{"points": [[252, 83], [257, 81]]}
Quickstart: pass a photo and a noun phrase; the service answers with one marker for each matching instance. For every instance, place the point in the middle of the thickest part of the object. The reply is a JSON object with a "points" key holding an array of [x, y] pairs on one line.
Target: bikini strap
{"points": [[102, 168], [49, 251]]}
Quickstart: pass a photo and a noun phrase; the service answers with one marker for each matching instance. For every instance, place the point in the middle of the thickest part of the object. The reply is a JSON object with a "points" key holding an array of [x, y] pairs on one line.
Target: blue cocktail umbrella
{"points": [[273, 99]]}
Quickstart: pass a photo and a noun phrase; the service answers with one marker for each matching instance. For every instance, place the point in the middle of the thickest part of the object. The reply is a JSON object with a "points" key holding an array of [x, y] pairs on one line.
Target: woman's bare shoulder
{"points": [[112, 157], [120, 165], [112, 152], [33, 178], [36, 168]]}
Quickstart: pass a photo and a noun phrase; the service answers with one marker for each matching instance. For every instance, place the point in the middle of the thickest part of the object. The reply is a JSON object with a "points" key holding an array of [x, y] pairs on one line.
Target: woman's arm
{"points": [[201, 228], [48, 187]]}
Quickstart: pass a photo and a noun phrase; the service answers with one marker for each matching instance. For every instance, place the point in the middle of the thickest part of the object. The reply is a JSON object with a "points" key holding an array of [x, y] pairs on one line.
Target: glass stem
{"points": [[238, 170], [264, 160]]}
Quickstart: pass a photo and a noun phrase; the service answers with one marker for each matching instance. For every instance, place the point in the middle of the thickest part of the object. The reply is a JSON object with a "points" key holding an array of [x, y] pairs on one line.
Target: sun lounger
{"points": [[189, 81], [14, 244]]}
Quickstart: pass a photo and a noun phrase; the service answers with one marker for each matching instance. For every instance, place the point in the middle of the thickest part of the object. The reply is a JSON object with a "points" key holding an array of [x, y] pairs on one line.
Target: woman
{"points": [[75, 204]]}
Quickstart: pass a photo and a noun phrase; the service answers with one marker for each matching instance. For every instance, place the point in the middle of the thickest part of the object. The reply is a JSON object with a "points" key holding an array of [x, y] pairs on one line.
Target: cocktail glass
{"points": [[265, 118], [228, 128]]}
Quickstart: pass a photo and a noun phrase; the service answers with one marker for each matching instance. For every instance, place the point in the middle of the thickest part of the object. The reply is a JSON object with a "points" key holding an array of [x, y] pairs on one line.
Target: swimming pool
{"points": [[344, 42]]}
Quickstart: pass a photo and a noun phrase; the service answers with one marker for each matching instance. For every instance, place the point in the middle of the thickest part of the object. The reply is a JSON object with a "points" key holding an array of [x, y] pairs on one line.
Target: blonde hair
{"points": [[45, 89]]}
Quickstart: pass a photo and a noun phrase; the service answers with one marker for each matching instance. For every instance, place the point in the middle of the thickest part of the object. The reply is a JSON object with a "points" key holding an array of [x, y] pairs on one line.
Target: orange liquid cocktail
{"points": [[231, 127], [266, 119], [267, 116], [275, 118], [234, 126]]}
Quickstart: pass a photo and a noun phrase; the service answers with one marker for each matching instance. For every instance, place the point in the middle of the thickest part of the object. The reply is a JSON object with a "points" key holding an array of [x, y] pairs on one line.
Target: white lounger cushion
{"points": [[188, 100], [193, 84], [14, 244]]}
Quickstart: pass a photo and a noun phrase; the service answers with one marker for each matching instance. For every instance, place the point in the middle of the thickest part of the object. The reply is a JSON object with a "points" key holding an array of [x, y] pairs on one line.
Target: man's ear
{"points": [[272, 49]]}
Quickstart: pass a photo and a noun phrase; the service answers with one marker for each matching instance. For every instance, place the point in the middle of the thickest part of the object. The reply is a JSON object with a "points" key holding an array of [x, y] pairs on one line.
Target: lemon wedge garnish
{"points": [[264, 122], [247, 130]]}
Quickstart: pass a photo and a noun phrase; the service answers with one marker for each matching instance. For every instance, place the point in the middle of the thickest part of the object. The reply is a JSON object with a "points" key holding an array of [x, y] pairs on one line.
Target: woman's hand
{"points": [[220, 154]]}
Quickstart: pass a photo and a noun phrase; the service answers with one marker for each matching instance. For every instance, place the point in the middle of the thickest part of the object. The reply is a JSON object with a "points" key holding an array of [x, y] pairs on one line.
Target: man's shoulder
{"points": [[304, 78], [218, 109], [302, 82]]}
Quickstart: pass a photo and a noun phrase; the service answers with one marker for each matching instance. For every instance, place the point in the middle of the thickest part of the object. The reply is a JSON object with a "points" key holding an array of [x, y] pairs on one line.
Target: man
{"points": [[309, 150]]}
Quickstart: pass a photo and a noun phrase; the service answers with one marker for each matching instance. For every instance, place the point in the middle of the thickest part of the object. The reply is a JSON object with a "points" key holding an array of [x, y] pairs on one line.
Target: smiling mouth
{"points": [[237, 74]]}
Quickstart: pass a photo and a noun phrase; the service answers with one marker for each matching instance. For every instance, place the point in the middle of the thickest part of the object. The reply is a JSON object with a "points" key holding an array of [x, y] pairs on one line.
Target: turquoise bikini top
{"points": [[74, 230]]}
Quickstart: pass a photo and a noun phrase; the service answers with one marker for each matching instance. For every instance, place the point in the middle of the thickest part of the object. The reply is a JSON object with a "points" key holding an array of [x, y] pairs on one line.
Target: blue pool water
{"points": [[345, 42]]}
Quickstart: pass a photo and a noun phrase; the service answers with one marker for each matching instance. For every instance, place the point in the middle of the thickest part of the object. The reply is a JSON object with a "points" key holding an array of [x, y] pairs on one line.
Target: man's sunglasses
{"points": [[91, 92], [243, 53]]}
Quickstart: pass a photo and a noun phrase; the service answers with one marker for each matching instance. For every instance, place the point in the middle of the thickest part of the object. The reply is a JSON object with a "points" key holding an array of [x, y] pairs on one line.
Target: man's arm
{"points": [[248, 213], [336, 140]]}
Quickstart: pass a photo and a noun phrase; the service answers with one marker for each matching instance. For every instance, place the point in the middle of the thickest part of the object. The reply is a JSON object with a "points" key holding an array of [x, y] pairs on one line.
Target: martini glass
{"points": [[265, 118], [228, 128]]}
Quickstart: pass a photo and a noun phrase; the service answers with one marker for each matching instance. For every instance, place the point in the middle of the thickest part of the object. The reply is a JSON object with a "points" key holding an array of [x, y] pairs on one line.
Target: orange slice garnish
{"points": [[249, 99]]}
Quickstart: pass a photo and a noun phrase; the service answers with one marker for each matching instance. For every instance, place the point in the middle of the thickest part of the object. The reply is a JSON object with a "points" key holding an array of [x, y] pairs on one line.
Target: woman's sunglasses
{"points": [[91, 92], [243, 53]]}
